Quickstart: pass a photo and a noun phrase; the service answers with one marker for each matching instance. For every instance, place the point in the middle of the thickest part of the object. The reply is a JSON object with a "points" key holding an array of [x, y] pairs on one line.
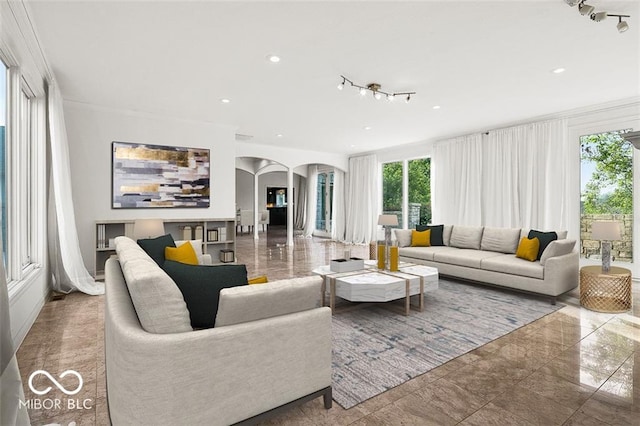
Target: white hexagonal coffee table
{"points": [[373, 285]]}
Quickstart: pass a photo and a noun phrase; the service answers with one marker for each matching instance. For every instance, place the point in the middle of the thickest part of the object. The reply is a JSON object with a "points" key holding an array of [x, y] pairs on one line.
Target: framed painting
{"points": [[156, 176]]}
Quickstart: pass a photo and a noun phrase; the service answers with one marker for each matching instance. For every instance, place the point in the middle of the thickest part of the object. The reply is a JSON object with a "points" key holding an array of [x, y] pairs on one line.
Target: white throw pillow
{"points": [[403, 237], [557, 248], [196, 244]]}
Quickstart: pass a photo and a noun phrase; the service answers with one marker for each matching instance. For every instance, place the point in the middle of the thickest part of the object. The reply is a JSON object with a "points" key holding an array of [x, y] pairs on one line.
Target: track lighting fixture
{"points": [[374, 88], [622, 26], [588, 10], [585, 9]]}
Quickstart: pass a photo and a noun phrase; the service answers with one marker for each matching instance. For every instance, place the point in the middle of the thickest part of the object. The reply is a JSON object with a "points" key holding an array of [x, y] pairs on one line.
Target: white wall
{"points": [[244, 190], [91, 130]]}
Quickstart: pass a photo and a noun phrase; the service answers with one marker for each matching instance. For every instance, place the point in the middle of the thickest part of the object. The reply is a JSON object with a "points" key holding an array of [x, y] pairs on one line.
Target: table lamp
{"points": [[605, 231], [148, 228], [387, 221]]}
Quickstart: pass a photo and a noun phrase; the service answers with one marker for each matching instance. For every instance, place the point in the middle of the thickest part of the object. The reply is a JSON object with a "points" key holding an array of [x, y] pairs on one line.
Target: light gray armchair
{"points": [[264, 219]]}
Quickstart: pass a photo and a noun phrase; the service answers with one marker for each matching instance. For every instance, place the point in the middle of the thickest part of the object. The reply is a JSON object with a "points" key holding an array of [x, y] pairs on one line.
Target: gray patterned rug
{"points": [[376, 347]]}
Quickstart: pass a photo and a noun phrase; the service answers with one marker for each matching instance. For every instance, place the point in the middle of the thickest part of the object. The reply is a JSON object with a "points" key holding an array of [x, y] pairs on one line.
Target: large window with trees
{"points": [[606, 192], [413, 178], [324, 205], [392, 190]]}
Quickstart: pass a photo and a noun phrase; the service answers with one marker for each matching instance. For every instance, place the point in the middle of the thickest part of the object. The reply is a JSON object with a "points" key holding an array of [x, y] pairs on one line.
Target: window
{"points": [[606, 192], [3, 158], [412, 177], [324, 206], [21, 173], [419, 212], [392, 190]]}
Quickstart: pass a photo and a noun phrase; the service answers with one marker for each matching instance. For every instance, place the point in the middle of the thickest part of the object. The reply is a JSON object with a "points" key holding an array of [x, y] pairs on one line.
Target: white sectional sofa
{"points": [[270, 348], [487, 255]]}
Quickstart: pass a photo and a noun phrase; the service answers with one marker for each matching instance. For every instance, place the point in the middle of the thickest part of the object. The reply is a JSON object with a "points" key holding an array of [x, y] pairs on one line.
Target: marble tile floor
{"points": [[573, 367]]}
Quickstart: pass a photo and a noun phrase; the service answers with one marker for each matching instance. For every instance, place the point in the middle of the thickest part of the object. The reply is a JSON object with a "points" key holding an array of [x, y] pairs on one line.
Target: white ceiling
{"points": [[485, 63]]}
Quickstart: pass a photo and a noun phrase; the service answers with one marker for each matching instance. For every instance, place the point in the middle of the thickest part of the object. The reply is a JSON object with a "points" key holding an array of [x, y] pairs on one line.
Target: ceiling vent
{"points": [[241, 137]]}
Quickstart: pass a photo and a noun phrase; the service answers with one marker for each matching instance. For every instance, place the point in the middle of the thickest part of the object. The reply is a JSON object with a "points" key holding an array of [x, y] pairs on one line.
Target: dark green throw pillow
{"points": [[437, 232], [545, 239], [155, 247], [200, 286]]}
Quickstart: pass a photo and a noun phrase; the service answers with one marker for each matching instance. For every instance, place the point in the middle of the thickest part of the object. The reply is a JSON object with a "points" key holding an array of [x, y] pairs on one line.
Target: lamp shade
{"points": [[148, 228], [605, 231], [388, 220]]}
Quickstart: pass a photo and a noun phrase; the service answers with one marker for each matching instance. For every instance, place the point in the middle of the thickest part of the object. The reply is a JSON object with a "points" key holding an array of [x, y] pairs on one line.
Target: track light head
{"points": [[572, 2], [377, 95], [363, 91], [622, 26], [408, 98], [585, 9], [391, 97], [598, 16]]}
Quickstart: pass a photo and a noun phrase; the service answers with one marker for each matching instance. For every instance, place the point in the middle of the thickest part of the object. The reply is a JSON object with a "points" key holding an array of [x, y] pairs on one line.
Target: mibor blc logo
{"points": [[57, 403], [55, 382]]}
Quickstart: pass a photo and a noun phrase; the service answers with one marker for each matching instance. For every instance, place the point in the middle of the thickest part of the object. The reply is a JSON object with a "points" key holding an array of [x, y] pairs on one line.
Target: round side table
{"points": [[605, 292]]}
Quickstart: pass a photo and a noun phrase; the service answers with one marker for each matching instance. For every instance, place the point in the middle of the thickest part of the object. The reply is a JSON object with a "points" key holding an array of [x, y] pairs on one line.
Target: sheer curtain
{"points": [[337, 206], [362, 204], [456, 181], [11, 391], [67, 267], [312, 184], [514, 177], [301, 203]]}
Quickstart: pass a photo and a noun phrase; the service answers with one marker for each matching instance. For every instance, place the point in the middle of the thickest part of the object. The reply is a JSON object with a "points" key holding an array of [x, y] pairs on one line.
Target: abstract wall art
{"points": [[156, 176]]}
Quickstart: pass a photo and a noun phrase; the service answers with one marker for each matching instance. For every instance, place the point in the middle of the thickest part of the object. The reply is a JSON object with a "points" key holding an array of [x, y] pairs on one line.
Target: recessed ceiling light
{"points": [[436, 107], [279, 135], [273, 58], [352, 146], [558, 70], [367, 127], [225, 100]]}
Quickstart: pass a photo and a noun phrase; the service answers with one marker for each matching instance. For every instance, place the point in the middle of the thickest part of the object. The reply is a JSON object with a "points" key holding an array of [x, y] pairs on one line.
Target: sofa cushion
{"points": [[503, 240], [437, 232], [509, 264], [183, 254], [464, 257], [424, 253], [155, 247], [255, 302], [557, 248], [157, 300], [403, 237], [466, 237], [446, 234], [421, 238], [200, 286], [528, 249], [544, 237]]}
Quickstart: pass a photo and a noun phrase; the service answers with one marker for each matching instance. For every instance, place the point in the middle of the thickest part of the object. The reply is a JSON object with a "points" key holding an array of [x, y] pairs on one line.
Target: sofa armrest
{"points": [[214, 376], [562, 272]]}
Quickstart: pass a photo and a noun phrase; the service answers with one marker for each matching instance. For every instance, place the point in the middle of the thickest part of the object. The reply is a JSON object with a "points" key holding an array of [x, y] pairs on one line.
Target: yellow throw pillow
{"points": [[259, 280], [183, 254], [528, 249], [422, 238]]}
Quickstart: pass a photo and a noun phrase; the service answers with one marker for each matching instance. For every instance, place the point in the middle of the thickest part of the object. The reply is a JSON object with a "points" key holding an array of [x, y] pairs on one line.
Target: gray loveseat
{"points": [[487, 255], [270, 348]]}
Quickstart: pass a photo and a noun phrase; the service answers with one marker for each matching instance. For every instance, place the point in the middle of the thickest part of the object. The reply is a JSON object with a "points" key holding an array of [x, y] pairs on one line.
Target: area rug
{"points": [[376, 347]]}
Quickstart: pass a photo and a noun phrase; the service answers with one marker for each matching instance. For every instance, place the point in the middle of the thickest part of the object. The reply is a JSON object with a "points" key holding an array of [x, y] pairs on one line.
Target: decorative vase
{"points": [[393, 258], [381, 256]]}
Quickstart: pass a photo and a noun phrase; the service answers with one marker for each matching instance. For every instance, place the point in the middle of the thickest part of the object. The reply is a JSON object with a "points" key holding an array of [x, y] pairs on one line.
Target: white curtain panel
{"points": [[514, 177], [362, 204], [301, 203], [456, 181], [67, 267], [337, 207], [312, 188], [11, 392]]}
